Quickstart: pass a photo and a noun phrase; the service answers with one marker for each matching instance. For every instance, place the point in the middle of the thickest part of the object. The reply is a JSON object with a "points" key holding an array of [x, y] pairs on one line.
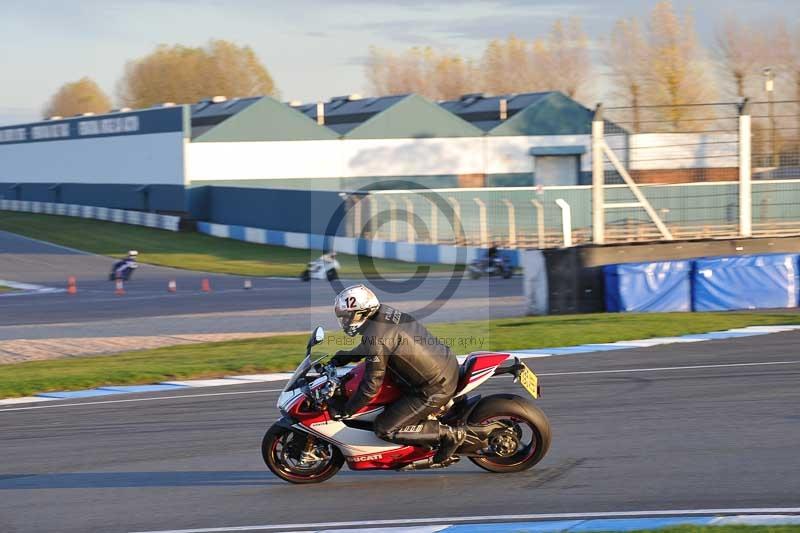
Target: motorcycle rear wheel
{"points": [[519, 413], [275, 450]]}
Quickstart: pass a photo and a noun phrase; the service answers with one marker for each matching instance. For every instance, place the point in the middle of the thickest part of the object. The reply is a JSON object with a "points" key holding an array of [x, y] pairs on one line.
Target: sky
{"points": [[314, 49]]}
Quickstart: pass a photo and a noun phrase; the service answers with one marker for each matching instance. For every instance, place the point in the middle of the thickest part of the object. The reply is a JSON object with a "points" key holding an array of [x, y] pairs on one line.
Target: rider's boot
{"points": [[450, 438]]}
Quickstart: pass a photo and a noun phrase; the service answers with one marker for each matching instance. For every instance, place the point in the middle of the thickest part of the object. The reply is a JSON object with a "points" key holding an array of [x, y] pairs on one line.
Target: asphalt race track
{"points": [[711, 425], [25, 260]]}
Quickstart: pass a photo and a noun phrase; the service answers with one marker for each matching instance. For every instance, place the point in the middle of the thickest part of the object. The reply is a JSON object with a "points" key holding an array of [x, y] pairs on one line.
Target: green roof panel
{"points": [[413, 117], [555, 114], [267, 120]]}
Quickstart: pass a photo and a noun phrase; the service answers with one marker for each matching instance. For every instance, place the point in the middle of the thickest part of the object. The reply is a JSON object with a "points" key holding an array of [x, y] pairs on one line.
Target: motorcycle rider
{"points": [[129, 262], [491, 254], [423, 366]]}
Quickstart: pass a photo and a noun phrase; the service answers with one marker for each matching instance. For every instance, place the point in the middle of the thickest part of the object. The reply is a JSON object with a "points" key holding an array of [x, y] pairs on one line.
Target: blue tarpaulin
{"points": [[657, 286], [745, 282]]}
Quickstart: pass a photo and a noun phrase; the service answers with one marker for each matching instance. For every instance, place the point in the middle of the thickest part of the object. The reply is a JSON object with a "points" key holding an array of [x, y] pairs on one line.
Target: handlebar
{"points": [[322, 394]]}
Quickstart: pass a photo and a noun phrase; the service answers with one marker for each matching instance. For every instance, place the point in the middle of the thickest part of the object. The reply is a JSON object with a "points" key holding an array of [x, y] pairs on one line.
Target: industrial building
{"points": [[203, 161]]}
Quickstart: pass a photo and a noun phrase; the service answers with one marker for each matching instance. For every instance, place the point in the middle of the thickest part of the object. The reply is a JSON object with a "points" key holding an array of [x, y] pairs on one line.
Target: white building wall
{"points": [[353, 158], [155, 158], [651, 151]]}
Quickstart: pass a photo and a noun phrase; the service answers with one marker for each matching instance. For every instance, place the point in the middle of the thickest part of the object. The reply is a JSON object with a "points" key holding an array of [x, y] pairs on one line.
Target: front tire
{"points": [[280, 443], [526, 422], [332, 274]]}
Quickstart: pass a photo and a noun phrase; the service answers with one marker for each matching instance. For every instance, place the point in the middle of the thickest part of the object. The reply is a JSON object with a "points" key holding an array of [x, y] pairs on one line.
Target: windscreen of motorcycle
{"points": [[301, 371]]}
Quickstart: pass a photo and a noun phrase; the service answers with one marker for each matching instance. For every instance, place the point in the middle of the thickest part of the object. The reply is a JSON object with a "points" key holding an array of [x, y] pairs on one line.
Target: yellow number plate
{"points": [[529, 381]]}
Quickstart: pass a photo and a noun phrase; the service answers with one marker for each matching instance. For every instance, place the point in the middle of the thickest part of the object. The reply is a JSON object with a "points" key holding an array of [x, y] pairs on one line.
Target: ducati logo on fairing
{"points": [[361, 458]]}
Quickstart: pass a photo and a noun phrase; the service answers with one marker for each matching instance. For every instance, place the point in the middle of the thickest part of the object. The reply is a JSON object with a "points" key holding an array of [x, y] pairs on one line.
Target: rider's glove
{"points": [[342, 359], [336, 408]]}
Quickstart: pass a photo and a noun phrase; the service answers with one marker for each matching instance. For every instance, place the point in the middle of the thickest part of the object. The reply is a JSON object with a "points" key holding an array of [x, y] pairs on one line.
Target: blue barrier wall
{"points": [[136, 197], [764, 281], [745, 282], [656, 287], [315, 212]]}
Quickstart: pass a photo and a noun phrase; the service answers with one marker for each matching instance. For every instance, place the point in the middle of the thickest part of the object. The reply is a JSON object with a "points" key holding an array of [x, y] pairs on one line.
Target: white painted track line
{"points": [[484, 519]]}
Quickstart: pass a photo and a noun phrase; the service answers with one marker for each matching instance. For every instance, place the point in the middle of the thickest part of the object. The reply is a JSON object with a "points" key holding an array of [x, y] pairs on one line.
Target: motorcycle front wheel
{"points": [[523, 442], [299, 458]]}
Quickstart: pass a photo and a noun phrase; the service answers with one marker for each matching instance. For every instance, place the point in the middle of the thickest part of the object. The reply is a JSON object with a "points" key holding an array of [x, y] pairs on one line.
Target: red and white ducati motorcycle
{"points": [[505, 432]]}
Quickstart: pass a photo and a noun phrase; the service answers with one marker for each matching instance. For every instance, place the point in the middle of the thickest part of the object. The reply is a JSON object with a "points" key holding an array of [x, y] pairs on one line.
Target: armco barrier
{"points": [[137, 218], [401, 251]]}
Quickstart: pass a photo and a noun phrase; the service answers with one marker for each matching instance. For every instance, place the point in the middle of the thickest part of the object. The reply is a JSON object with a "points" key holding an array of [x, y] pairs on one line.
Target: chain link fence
{"points": [[667, 172]]}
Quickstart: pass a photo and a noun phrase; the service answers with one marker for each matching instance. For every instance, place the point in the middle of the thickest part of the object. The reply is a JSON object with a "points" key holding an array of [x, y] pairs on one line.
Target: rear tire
{"points": [[274, 452], [507, 273], [519, 411], [305, 276]]}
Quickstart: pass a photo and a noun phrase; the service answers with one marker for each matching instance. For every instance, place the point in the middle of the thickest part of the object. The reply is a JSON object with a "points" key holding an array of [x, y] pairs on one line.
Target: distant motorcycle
{"points": [[490, 266], [123, 269], [325, 267]]}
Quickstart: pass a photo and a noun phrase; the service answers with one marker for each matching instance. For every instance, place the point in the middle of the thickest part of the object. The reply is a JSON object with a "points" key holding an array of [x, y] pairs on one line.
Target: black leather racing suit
{"points": [[423, 366]]}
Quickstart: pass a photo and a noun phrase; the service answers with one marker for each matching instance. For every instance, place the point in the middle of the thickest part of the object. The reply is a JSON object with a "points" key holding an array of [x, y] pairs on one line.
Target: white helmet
{"points": [[353, 307], [133, 253]]}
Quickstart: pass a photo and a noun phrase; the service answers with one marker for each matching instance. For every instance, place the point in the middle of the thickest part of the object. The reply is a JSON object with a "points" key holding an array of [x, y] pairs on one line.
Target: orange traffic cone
{"points": [[248, 284], [172, 286], [72, 287], [120, 290], [205, 286]]}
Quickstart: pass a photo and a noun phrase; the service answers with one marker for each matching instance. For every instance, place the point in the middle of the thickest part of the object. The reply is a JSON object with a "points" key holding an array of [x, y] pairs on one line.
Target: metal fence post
{"points": [[598, 178], [566, 221], [358, 216], [745, 184], [539, 221], [456, 220], [434, 223], [409, 220], [392, 219], [374, 227], [484, 230], [512, 223]]}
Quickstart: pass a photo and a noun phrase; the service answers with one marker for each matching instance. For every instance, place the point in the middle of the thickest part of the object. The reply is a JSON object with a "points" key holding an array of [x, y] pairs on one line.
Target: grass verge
{"points": [[187, 250], [280, 353], [3, 289]]}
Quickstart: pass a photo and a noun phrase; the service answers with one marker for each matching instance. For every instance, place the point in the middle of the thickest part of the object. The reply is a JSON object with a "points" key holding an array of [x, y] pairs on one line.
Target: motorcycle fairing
{"points": [[362, 449], [477, 368]]}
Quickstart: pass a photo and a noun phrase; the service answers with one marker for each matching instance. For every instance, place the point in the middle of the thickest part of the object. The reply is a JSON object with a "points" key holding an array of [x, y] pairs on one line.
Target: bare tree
{"points": [[626, 56], [512, 65], [567, 50], [741, 52], [424, 71], [678, 71], [75, 98], [184, 74]]}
